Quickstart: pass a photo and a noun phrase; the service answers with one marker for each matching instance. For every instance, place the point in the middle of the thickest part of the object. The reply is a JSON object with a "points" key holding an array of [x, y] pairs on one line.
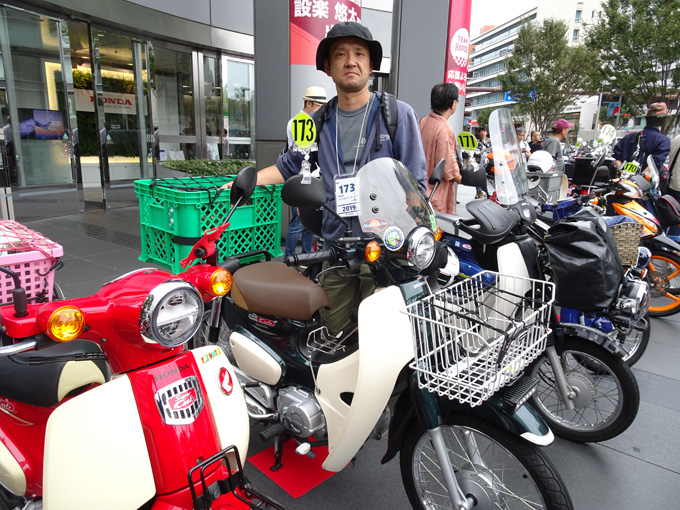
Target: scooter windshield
{"points": [[510, 173], [391, 201], [653, 172]]}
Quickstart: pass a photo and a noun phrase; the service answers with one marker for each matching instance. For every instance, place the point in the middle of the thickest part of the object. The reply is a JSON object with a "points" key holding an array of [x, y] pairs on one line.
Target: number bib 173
{"points": [[347, 196]]}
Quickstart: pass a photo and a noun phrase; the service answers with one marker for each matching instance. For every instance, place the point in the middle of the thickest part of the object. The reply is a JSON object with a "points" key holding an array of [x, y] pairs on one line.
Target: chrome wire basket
{"points": [[479, 334]]}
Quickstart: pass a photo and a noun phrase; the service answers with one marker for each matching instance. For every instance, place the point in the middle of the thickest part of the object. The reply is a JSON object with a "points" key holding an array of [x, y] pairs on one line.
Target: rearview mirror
{"points": [[437, 173], [297, 194], [244, 185]]}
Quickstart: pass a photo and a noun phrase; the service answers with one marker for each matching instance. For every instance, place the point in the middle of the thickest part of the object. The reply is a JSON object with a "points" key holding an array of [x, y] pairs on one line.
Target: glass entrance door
{"points": [[122, 115], [35, 115], [172, 86]]}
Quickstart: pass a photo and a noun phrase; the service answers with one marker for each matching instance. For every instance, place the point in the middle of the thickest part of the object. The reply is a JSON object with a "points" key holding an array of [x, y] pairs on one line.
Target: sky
{"points": [[496, 12]]}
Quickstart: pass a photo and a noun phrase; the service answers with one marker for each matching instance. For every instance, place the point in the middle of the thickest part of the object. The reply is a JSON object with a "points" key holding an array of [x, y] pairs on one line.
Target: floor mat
{"points": [[299, 473]]}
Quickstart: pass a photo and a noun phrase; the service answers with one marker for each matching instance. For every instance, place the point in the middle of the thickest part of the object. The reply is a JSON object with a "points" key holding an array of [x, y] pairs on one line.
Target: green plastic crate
{"points": [[174, 213]]}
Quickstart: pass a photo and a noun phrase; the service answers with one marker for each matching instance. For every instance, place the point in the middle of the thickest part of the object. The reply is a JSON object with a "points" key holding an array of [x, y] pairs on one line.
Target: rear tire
{"points": [[514, 474], [663, 276]]}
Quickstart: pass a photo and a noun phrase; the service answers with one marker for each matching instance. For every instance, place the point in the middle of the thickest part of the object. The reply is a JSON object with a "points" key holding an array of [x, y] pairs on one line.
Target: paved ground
{"points": [[639, 469]]}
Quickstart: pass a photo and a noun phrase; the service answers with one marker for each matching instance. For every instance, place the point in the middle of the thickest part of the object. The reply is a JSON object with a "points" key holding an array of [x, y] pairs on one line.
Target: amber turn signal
{"points": [[65, 324], [372, 251], [220, 282], [438, 233]]}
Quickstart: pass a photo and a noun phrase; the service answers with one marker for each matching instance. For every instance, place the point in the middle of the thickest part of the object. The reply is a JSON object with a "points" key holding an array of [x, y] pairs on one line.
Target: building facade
{"points": [[493, 46]]}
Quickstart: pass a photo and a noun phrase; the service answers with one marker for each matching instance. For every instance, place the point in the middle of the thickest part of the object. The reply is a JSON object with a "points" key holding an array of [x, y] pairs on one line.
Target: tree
{"points": [[639, 51], [545, 75]]}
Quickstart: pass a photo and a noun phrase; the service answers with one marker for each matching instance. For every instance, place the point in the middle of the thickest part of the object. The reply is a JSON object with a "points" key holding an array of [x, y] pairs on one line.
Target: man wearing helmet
{"points": [[354, 132]]}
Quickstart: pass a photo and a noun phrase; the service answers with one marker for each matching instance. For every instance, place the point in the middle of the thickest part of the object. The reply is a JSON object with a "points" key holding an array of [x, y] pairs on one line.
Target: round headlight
{"points": [[421, 248], [171, 313]]}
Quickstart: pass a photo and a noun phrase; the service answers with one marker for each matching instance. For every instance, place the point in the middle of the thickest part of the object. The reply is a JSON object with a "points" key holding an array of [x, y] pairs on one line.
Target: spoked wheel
{"points": [[663, 276], [493, 467], [606, 395], [636, 341]]}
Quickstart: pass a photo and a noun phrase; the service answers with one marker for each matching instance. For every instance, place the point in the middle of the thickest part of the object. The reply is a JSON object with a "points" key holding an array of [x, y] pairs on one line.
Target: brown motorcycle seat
{"points": [[272, 288]]}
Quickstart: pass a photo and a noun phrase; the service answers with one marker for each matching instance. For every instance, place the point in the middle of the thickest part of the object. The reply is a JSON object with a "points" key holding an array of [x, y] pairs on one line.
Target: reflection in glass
{"points": [[38, 128], [173, 100], [239, 107]]}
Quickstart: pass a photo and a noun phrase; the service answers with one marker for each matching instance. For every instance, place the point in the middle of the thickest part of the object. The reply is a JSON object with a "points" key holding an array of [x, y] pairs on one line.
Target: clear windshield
{"points": [[391, 201], [510, 171], [653, 172]]}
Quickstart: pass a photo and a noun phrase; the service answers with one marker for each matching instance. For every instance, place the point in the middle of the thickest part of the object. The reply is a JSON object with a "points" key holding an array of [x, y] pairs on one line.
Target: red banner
{"points": [[310, 20], [459, 43]]}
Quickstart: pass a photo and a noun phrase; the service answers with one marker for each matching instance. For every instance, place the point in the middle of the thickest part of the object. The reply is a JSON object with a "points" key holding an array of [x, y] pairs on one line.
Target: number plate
{"points": [[347, 196]]}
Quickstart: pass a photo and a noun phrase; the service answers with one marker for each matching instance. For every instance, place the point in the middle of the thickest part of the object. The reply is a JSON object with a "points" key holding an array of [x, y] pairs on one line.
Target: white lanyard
{"points": [[361, 132]]}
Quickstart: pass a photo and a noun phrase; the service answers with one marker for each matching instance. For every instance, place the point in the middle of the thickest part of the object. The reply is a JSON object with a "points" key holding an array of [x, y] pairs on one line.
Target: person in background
{"points": [[313, 99], [439, 141], [674, 177], [553, 144], [523, 144], [484, 142], [638, 145], [536, 143]]}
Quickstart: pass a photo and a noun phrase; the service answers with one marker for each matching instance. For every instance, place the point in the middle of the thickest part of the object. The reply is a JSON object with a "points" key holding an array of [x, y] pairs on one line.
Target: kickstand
{"points": [[278, 453]]}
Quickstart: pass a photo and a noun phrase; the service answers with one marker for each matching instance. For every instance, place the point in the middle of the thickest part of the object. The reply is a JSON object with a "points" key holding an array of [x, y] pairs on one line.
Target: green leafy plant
{"points": [[227, 166], [544, 74]]}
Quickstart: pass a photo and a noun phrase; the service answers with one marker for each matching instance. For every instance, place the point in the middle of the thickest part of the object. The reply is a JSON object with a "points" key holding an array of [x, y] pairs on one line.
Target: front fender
{"points": [[525, 423], [594, 335]]}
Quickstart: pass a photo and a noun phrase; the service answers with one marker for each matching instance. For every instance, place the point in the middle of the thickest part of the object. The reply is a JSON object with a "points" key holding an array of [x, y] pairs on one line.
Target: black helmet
{"points": [[348, 29]]}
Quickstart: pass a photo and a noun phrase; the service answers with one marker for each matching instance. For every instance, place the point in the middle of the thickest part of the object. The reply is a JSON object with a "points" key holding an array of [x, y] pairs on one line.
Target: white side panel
{"points": [[77, 374], [229, 411], [11, 475], [95, 452], [385, 347], [511, 261], [254, 360]]}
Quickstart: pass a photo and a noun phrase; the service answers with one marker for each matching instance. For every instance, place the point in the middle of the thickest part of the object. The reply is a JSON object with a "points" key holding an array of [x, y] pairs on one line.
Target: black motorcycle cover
{"points": [[584, 261]]}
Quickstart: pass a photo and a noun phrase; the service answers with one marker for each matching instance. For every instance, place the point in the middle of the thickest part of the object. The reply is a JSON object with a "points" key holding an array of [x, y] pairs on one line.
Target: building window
{"points": [[575, 36], [577, 19]]}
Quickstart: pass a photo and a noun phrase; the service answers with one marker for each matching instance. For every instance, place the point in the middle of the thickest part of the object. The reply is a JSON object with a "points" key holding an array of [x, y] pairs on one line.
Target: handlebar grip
{"points": [[305, 259]]}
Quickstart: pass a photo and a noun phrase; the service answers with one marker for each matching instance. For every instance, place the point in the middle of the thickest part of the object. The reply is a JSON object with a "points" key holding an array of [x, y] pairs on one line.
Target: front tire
{"points": [[607, 394], [506, 471]]}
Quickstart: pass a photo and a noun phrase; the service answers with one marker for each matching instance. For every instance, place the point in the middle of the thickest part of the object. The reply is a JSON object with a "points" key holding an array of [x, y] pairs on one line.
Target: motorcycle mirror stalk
{"points": [[436, 177]]}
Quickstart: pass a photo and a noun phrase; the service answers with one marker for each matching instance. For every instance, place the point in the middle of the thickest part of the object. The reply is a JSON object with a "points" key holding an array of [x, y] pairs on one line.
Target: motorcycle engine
{"points": [[300, 413]]}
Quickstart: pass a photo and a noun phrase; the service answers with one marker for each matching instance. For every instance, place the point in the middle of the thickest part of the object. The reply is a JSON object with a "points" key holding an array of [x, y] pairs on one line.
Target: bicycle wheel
{"points": [[494, 467], [663, 276], [607, 396]]}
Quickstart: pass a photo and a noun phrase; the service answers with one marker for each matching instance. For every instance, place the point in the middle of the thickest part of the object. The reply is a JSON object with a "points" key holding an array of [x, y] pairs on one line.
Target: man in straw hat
{"points": [[314, 98], [354, 132]]}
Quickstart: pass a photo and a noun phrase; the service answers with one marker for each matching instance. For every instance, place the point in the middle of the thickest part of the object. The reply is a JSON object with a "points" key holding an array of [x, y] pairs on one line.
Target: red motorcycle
{"points": [[102, 407]]}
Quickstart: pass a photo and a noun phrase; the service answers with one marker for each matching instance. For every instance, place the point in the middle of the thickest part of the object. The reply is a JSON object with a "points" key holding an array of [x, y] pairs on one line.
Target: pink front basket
{"points": [[31, 256]]}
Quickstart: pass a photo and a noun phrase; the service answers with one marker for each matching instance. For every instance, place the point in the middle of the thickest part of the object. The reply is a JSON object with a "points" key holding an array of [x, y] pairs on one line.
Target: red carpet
{"points": [[299, 473]]}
